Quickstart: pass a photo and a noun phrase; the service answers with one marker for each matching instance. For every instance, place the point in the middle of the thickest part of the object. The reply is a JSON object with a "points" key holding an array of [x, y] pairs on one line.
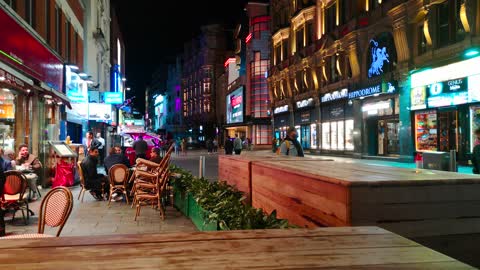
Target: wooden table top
{"points": [[318, 248], [358, 174]]}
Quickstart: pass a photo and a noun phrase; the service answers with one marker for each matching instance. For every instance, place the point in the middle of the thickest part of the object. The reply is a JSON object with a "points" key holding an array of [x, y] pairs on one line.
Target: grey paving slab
{"points": [[97, 218]]}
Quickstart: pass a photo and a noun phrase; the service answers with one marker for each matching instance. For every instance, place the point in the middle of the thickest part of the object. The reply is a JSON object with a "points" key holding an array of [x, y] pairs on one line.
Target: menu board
{"points": [[426, 131]]}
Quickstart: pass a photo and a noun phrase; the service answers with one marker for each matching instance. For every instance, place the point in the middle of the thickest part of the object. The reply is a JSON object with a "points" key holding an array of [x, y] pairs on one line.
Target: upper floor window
{"points": [[58, 29], [299, 38], [48, 33], [67, 40], [30, 12], [309, 33], [278, 54], [331, 18], [421, 40], [284, 49], [449, 27], [372, 4]]}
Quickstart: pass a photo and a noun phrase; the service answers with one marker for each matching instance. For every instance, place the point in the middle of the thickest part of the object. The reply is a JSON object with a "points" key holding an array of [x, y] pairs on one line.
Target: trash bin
{"points": [[442, 161]]}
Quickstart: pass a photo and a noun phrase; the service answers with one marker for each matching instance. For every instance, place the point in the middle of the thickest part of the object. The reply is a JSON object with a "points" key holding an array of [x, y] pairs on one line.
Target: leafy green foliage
{"points": [[224, 203]]}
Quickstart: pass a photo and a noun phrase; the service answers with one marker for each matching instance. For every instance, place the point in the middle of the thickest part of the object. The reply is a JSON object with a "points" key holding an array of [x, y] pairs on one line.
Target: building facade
{"points": [[202, 64], [340, 70], [174, 119], [246, 98]]}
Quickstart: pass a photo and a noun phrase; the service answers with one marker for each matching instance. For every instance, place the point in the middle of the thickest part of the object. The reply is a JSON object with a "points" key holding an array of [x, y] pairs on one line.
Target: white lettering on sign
{"points": [[335, 95], [280, 109], [305, 103], [365, 92]]}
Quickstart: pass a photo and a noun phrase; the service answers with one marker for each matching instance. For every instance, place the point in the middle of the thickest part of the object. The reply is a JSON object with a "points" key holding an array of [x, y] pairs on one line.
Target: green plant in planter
{"points": [[223, 203]]}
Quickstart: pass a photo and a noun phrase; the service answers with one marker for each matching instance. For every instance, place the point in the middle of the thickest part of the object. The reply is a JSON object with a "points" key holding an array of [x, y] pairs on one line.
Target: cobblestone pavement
{"points": [[96, 218]]}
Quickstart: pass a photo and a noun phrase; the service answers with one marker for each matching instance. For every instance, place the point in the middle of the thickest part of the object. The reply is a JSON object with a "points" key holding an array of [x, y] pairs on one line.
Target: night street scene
{"points": [[236, 134]]}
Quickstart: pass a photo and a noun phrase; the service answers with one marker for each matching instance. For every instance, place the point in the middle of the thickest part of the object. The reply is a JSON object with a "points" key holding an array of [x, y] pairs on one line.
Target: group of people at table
{"points": [[98, 183]]}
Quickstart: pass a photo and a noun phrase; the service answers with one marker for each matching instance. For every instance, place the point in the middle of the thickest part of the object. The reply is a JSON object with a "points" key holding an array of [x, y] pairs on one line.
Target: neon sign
{"points": [[388, 87], [379, 56], [235, 106], [280, 109], [335, 95]]}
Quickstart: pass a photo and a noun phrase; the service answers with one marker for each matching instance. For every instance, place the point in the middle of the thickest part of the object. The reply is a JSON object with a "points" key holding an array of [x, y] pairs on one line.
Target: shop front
{"points": [[445, 105], [305, 121], [281, 121], [336, 123], [379, 112]]}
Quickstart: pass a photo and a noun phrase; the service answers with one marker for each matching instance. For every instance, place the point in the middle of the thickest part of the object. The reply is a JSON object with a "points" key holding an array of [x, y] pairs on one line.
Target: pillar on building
{"points": [[35, 131], [20, 112]]}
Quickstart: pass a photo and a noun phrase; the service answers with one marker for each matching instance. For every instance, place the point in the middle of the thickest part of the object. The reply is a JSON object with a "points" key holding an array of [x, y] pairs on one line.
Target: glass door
{"points": [[392, 140], [305, 136], [447, 130]]}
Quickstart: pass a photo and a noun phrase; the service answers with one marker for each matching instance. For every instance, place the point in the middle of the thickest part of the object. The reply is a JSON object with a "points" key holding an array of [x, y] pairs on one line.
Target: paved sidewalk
{"points": [[95, 218]]}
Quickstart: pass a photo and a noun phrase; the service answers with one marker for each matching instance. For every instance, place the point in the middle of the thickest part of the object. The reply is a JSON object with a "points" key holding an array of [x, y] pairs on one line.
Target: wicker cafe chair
{"points": [[55, 209], [118, 176], [14, 194], [151, 196], [82, 182]]}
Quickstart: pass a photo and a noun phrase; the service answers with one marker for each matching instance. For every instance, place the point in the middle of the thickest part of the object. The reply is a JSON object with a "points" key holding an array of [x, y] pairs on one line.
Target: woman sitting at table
{"points": [[31, 165]]}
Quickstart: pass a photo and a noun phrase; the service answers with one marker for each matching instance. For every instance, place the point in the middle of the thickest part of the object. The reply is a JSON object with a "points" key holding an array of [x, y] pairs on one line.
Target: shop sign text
{"points": [[305, 103], [335, 95], [281, 109]]}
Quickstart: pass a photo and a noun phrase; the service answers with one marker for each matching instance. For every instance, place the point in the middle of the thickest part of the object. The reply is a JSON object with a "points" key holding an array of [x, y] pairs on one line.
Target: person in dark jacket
{"points": [[141, 147], [2, 213], [228, 145], [476, 154], [155, 155], [93, 179], [115, 157]]}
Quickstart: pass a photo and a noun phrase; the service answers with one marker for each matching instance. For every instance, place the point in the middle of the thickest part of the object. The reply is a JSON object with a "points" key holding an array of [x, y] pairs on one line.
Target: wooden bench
{"points": [[319, 248]]}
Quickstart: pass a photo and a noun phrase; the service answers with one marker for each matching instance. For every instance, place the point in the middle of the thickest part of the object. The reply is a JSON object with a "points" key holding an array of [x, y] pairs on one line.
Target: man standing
{"points": [[140, 146], [32, 165], [90, 142], [228, 145], [237, 145], [290, 145], [101, 147], [93, 179]]}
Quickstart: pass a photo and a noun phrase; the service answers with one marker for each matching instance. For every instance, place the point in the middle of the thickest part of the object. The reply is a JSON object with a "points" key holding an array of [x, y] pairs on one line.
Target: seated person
{"points": [[115, 157], [93, 179], [6, 158], [32, 164], [155, 155]]}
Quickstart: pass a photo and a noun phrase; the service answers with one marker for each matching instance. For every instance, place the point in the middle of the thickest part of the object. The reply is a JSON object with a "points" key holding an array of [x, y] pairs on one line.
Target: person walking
{"points": [[237, 145], [184, 146], [228, 146], [290, 145], [141, 147], [215, 145], [209, 146]]}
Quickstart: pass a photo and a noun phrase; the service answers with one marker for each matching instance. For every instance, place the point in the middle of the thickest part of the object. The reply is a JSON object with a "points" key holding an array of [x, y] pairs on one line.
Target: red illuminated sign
{"points": [[236, 100], [21, 50]]}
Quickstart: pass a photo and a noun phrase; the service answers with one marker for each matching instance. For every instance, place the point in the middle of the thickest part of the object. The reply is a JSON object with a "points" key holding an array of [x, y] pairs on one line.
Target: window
{"points": [[309, 33], [278, 54], [259, 28], [67, 41], [58, 30], [30, 12], [299, 38], [258, 85], [263, 134], [372, 4], [331, 18], [75, 41], [48, 34], [449, 26], [332, 63], [421, 40], [285, 49]]}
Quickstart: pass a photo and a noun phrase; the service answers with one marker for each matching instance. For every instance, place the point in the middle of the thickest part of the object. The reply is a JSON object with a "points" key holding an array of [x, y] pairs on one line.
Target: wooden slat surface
{"points": [[320, 248]]}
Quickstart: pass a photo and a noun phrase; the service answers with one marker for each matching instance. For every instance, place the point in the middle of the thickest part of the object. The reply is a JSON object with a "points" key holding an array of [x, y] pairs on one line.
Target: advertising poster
{"points": [[426, 131], [235, 106]]}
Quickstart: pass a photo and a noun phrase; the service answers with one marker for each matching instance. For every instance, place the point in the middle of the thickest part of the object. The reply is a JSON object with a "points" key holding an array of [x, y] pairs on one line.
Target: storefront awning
{"points": [[10, 78], [59, 96]]}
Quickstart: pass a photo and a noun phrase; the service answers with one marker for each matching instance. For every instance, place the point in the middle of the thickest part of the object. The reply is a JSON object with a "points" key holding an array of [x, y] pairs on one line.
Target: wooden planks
{"points": [[319, 248]]}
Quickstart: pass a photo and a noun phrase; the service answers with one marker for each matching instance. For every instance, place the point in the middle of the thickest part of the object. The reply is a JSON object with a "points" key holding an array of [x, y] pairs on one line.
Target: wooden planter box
{"points": [[236, 170], [198, 216]]}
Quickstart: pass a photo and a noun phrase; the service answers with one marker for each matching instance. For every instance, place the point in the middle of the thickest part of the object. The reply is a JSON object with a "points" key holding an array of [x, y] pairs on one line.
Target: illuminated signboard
{"points": [[448, 93], [159, 99], [280, 109], [235, 106], [418, 98], [335, 95], [382, 55], [100, 112], [76, 88], [305, 103], [388, 87], [113, 97]]}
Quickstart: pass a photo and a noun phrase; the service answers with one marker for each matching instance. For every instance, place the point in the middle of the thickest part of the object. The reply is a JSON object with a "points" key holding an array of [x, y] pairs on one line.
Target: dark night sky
{"points": [[155, 30]]}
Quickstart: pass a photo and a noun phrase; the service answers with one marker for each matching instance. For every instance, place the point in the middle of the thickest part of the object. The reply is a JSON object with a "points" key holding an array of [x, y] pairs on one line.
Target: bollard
{"points": [[201, 167], [453, 161]]}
